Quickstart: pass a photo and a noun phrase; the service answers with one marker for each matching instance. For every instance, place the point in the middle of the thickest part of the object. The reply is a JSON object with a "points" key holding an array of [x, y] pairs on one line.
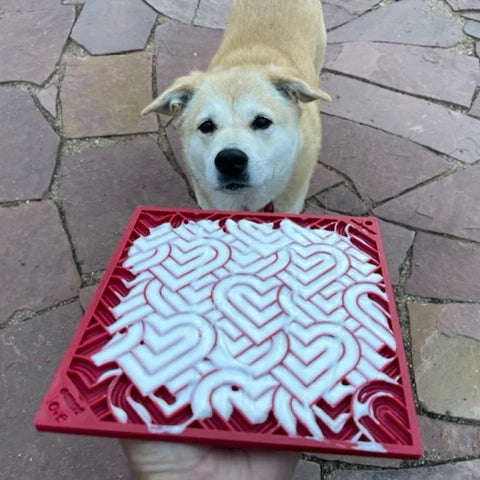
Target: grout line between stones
{"points": [[447, 173], [435, 101], [376, 127], [449, 236], [24, 314], [195, 13]]}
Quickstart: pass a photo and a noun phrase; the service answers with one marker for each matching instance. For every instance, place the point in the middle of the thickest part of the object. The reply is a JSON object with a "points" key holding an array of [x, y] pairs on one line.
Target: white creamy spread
{"points": [[253, 318]]}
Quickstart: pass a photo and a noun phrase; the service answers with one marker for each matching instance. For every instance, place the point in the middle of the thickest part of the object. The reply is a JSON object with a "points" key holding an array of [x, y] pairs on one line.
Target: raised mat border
{"points": [[63, 410]]}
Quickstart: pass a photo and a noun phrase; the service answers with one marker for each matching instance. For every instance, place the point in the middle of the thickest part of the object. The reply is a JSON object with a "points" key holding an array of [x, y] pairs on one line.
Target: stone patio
{"points": [[401, 142]]}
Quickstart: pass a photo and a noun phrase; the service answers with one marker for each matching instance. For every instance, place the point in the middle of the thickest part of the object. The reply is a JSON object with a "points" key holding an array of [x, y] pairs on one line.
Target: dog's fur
{"points": [[267, 65]]}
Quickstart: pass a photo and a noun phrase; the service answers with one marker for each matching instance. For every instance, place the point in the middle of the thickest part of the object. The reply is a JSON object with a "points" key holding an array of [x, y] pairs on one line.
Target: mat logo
{"points": [[250, 318]]}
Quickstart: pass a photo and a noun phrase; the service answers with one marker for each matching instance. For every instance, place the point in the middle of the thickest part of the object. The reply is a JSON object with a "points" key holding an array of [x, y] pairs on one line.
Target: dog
{"points": [[250, 124]]}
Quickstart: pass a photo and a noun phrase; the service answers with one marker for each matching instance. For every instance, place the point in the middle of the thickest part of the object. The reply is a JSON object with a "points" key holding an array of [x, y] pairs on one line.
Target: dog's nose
{"points": [[231, 162]]}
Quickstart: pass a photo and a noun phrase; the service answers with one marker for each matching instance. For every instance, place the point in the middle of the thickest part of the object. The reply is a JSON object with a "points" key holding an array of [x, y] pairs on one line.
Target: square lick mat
{"points": [[241, 329]]}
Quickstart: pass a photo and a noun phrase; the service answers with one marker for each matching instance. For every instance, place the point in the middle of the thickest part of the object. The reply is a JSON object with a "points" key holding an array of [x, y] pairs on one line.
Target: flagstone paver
{"points": [[322, 178], [35, 276], [411, 22], [429, 72], [342, 199], [472, 28], [181, 10], [471, 15], [118, 178], [357, 460], [306, 471], [444, 268], [48, 99], [460, 319], [357, 7], [401, 140], [212, 14], [463, 4], [113, 26], [475, 110], [32, 38], [180, 49], [457, 213], [413, 118], [461, 470], [445, 440], [29, 355], [105, 95], [396, 242], [447, 367], [380, 165], [335, 15], [85, 295], [28, 147]]}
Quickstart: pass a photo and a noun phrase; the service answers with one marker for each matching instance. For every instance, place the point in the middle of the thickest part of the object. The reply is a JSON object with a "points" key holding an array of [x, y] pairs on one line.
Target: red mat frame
{"points": [[76, 403]]}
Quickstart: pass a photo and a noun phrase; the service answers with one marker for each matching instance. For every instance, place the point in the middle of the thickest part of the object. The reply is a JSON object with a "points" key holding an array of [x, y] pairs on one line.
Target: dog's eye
{"points": [[207, 127], [261, 123]]}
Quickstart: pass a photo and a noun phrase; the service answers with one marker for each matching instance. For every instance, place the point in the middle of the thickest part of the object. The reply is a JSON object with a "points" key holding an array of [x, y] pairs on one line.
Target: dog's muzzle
{"points": [[232, 165]]}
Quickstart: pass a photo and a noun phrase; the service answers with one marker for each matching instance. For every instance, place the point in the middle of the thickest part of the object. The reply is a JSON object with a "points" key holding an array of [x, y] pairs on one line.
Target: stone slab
{"points": [[380, 165], [477, 49], [105, 95], [444, 441], [357, 460], [29, 354], [342, 199], [463, 4], [85, 295], [306, 471], [411, 22], [181, 10], [396, 242], [472, 28], [48, 99], [322, 178], [212, 13], [475, 110], [471, 15], [180, 49], [28, 147], [313, 209], [335, 15], [424, 71], [356, 7], [100, 189], [113, 26], [447, 369], [456, 214], [33, 37], [444, 268], [460, 319], [461, 470], [409, 117], [37, 264]]}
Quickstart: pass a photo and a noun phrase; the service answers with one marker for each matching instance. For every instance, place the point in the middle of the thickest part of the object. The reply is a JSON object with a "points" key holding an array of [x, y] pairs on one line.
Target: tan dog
{"points": [[250, 124]]}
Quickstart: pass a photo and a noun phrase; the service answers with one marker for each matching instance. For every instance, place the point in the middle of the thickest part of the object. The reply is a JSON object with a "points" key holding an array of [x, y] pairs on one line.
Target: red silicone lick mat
{"points": [[241, 329]]}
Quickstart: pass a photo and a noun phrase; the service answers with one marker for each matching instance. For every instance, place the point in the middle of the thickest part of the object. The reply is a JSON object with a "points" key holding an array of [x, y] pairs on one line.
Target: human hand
{"points": [[150, 460]]}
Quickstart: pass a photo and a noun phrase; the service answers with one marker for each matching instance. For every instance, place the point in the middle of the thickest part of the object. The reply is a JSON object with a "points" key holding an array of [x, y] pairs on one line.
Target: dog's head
{"points": [[240, 130]]}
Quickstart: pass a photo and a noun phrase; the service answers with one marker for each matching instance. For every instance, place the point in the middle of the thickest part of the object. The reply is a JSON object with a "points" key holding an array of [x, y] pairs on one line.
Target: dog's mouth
{"points": [[234, 187]]}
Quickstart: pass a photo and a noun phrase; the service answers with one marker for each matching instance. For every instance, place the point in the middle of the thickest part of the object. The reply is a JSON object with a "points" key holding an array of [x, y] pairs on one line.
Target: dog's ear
{"points": [[296, 89], [175, 98]]}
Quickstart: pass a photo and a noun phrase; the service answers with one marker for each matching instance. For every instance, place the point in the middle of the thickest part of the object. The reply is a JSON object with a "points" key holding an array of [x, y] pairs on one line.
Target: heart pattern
{"points": [[252, 318]]}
